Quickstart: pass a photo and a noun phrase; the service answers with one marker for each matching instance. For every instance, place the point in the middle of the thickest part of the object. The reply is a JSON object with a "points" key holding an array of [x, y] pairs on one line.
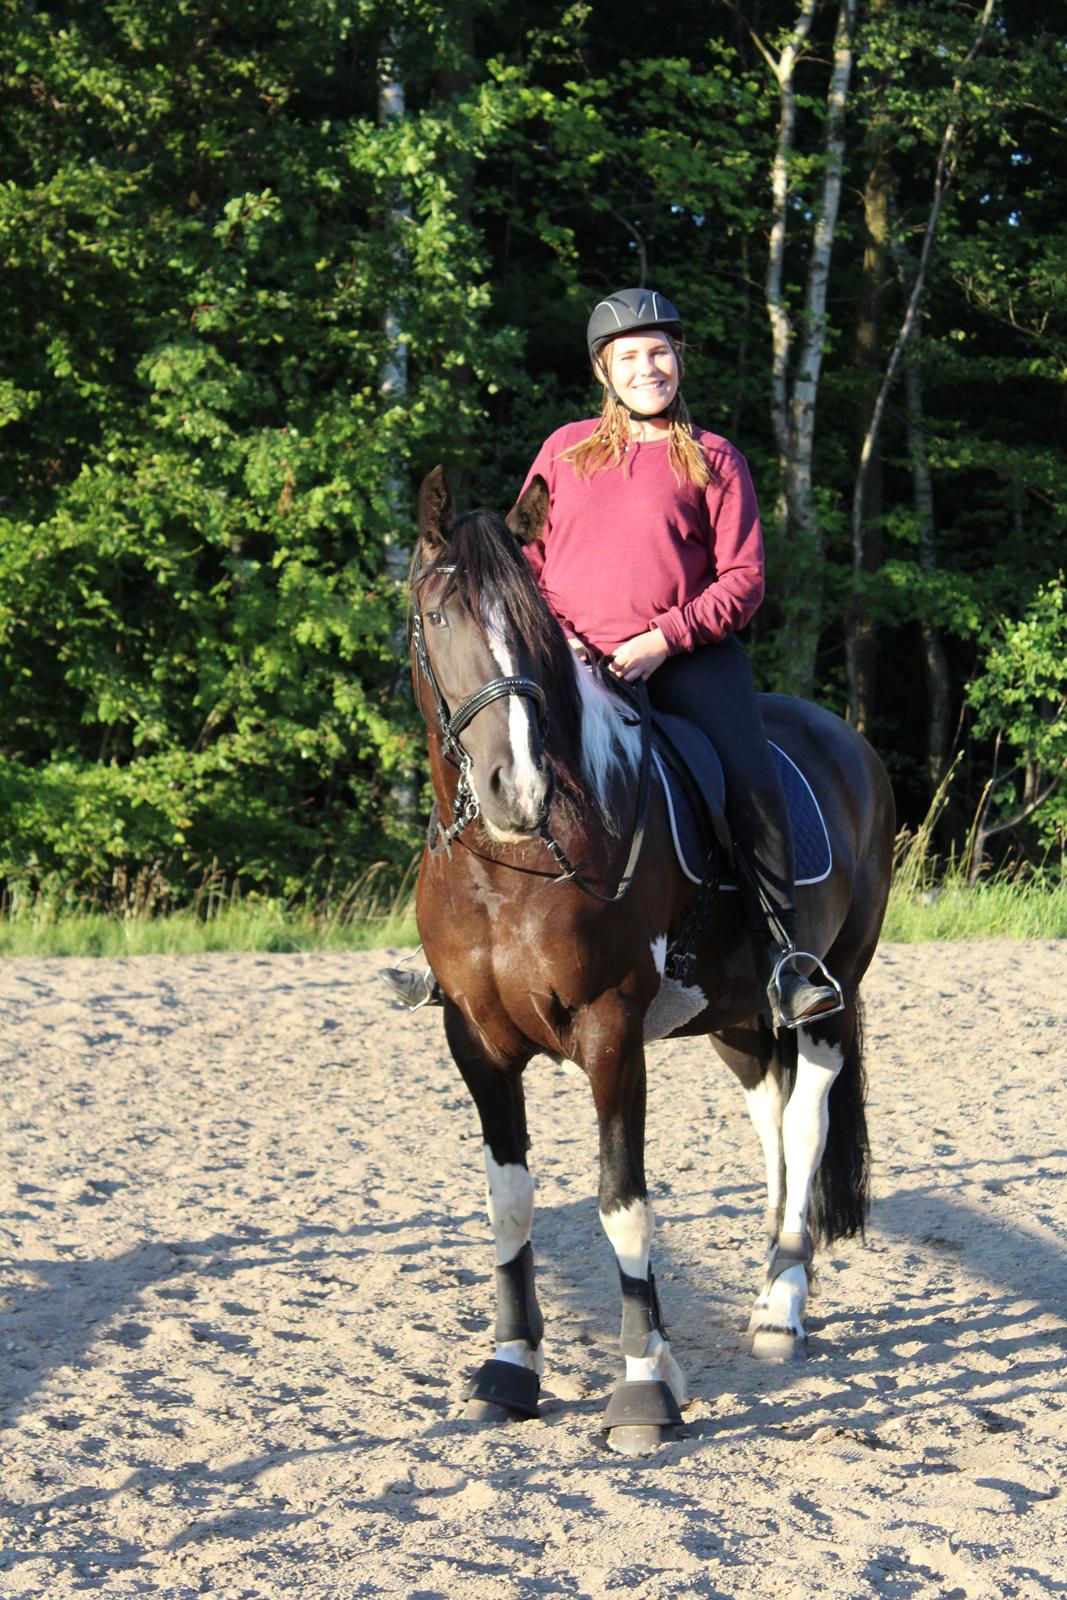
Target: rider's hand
{"points": [[639, 657], [579, 649]]}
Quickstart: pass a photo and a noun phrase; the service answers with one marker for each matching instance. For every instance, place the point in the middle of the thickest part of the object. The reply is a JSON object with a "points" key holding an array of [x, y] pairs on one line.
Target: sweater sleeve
{"points": [[732, 593]]}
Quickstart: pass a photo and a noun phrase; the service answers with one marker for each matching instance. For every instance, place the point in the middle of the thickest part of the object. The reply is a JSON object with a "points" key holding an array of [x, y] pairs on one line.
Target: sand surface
{"points": [[250, 1275]]}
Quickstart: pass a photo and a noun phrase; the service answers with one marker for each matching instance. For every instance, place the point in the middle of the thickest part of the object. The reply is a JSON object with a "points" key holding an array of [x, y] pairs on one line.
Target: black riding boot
{"points": [[793, 997], [413, 989]]}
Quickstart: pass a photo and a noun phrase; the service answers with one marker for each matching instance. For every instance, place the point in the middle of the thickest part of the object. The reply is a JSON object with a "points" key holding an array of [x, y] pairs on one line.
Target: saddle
{"points": [[695, 788]]}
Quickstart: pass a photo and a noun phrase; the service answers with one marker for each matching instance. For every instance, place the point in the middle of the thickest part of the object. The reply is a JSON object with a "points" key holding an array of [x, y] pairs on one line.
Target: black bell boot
{"points": [[413, 989]]}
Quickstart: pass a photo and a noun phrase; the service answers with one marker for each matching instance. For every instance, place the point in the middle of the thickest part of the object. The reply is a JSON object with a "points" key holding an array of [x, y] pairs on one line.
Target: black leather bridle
{"points": [[465, 806], [450, 725]]}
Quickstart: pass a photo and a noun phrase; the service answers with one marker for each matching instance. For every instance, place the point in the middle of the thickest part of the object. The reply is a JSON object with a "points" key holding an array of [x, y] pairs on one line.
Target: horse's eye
{"points": [[436, 619]]}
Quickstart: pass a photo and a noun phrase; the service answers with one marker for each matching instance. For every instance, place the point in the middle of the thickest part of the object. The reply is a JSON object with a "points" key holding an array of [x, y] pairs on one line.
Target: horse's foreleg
{"points": [[777, 1324], [507, 1385], [647, 1402]]}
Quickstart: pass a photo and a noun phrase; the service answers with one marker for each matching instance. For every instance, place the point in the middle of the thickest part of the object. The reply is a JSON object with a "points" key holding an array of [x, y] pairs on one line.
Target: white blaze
{"points": [[529, 784]]}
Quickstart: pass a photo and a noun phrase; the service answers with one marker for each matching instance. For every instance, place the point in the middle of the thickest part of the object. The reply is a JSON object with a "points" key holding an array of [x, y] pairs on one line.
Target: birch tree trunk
{"points": [[797, 363], [393, 388]]}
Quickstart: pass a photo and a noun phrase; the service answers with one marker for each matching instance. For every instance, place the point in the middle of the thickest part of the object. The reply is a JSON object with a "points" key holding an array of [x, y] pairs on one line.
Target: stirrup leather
{"points": [[820, 977]]}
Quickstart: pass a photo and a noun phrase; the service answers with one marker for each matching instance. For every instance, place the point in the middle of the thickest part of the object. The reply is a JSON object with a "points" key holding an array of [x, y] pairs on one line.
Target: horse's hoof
{"points": [[502, 1392], [779, 1344], [639, 1440], [640, 1416]]}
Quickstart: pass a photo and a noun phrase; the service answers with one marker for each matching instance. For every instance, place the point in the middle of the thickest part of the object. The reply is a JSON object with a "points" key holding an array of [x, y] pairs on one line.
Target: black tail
{"points": [[841, 1196]]}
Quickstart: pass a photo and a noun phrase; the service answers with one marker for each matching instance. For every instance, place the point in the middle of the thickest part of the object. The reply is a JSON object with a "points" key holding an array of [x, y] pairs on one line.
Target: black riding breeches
{"points": [[713, 687]]}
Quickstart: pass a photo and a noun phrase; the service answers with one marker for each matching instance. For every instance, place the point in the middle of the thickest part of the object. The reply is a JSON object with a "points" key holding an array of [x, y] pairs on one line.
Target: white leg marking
{"points": [[764, 1104], [804, 1125], [659, 953], [509, 1194], [658, 1367], [630, 1231]]}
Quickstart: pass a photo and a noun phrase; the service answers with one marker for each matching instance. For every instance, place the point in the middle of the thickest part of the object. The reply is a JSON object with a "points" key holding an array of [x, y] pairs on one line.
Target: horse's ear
{"points": [[527, 519], [435, 510]]}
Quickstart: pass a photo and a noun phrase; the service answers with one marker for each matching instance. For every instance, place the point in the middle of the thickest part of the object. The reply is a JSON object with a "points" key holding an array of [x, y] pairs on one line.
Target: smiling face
{"points": [[644, 371]]}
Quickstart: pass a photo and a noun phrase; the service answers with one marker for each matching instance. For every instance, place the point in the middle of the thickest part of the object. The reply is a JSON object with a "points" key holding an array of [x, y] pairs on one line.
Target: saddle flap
{"points": [[693, 762]]}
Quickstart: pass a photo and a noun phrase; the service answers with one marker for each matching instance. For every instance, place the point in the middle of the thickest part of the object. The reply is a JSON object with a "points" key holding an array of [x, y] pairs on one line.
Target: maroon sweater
{"points": [[629, 548]]}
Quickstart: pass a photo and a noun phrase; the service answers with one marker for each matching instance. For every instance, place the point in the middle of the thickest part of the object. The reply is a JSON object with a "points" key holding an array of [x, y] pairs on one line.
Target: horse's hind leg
{"points": [[750, 1051], [646, 1404], [508, 1385], [823, 1051]]}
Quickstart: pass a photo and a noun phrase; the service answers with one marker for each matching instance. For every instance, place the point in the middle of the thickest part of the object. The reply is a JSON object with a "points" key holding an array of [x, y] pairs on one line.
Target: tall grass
{"points": [[368, 914], [933, 897]]}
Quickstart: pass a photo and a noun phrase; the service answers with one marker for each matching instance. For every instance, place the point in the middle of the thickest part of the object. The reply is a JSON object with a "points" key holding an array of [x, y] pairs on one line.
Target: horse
{"points": [[547, 897]]}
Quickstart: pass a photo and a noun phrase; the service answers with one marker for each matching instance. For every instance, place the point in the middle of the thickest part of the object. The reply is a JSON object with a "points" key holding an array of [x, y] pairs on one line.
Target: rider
{"points": [[652, 556]]}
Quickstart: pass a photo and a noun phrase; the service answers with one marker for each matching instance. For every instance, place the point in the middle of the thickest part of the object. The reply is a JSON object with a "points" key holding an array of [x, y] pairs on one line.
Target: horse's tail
{"points": [[841, 1193]]}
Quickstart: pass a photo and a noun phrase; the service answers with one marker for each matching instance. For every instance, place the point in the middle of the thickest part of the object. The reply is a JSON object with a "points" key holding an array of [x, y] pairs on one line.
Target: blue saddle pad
{"points": [[813, 857]]}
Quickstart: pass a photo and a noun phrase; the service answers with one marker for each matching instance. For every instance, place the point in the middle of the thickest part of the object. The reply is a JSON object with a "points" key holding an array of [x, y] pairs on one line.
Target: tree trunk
{"points": [[938, 682], [861, 633], [795, 374], [943, 177]]}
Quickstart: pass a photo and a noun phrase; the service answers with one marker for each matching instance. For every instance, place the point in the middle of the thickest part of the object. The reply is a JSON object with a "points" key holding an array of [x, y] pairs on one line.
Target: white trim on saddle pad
{"points": [[694, 877]]}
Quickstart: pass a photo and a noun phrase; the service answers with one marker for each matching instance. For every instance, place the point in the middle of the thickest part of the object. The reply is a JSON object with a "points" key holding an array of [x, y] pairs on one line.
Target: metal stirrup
{"points": [[826, 979]]}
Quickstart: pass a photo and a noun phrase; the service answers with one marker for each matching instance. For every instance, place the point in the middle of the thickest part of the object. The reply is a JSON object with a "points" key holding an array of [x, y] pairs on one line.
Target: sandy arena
{"points": [[251, 1275]]}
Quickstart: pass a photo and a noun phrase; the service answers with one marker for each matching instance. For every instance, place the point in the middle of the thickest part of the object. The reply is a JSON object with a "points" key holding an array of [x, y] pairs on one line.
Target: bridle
{"points": [[450, 725], [466, 807]]}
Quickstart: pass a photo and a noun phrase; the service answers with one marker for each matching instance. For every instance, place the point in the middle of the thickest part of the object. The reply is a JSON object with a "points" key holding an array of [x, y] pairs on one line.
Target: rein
{"points": [[466, 808]]}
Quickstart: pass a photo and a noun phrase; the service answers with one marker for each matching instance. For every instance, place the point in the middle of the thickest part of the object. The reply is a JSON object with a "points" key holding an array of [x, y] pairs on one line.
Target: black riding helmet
{"points": [[631, 311]]}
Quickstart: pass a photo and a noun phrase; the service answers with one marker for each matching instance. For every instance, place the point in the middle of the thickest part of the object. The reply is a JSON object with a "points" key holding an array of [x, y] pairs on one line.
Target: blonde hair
{"points": [[607, 445]]}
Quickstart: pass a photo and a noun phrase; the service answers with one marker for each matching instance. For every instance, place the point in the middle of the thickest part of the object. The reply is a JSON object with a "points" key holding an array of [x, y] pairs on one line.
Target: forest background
{"points": [[264, 265]]}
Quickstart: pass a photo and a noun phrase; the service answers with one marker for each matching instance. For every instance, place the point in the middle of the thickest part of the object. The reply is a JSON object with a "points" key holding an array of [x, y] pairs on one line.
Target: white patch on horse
{"points": [[509, 1192], [609, 745], [659, 1366], [659, 953], [674, 1005], [764, 1104], [529, 781], [805, 1121], [630, 1230]]}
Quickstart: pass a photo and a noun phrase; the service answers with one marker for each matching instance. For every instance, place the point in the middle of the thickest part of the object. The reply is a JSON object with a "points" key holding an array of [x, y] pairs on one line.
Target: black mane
{"points": [[489, 569]]}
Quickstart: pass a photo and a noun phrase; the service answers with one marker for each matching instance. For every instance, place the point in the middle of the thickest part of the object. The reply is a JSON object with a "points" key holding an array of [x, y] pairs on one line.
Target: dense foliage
{"points": [[263, 265]]}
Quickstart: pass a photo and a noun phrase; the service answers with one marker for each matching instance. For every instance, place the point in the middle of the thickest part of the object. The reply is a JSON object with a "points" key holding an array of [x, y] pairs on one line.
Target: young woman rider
{"points": [[652, 556]]}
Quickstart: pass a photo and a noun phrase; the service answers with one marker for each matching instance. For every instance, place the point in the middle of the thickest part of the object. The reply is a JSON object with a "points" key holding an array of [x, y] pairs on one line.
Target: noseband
{"points": [[449, 726]]}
